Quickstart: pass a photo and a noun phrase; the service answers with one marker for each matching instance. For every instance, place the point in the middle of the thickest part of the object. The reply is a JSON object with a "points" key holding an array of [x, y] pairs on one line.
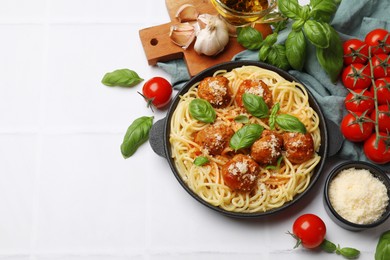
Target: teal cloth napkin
{"points": [[353, 19]]}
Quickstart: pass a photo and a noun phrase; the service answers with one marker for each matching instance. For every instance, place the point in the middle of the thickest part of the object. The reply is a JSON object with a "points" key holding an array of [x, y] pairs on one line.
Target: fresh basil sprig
{"points": [[255, 105], [202, 110], [290, 123], [121, 78], [137, 133], [201, 160], [310, 24], [246, 136]]}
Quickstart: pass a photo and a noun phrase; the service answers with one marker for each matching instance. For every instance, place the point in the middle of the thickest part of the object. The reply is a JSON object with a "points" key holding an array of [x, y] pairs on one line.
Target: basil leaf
{"points": [[316, 33], [289, 8], [263, 53], [323, 9], [297, 25], [255, 105], [331, 58], [349, 252], [296, 49], [328, 246], [383, 247], [137, 133], [272, 117], [121, 78], [277, 57], [201, 160], [249, 37], [246, 136], [241, 119], [290, 123], [202, 110]]}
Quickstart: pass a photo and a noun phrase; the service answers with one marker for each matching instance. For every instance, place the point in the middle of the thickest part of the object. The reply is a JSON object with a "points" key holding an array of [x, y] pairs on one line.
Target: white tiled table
{"points": [[65, 190]]}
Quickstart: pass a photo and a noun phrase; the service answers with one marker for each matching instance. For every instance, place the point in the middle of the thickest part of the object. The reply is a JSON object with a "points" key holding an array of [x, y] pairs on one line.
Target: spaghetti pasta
{"points": [[274, 186]]}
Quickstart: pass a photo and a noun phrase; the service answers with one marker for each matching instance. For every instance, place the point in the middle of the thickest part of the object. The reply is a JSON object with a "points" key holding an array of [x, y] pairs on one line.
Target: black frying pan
{"points": [[159, 136]]}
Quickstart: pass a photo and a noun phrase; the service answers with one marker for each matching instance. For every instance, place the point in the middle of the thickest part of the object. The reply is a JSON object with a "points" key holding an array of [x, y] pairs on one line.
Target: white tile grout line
{"points": [[38, 168]]}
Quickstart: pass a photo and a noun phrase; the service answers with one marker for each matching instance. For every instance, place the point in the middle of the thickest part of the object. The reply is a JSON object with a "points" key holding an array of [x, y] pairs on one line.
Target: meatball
{"points": [[256, 87], [267, 149], [214, 138], [215, 90], [299, 147], [241, 173]]}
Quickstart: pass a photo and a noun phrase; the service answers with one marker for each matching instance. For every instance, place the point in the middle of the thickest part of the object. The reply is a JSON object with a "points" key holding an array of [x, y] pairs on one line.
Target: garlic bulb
{"points": [[213, 38]]}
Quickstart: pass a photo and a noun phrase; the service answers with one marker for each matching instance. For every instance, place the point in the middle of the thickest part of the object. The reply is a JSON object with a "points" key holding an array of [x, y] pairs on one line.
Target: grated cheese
{"points": [[358, 196]]}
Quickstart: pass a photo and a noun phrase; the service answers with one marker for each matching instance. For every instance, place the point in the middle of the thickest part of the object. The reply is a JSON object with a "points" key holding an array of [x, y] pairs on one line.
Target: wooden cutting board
{"points": [[158, 46]]}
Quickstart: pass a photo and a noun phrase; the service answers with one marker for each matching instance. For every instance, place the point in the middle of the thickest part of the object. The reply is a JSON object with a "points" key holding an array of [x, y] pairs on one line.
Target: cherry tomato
{"points": [[310, 230], [157, 91], [356, 127], [379, 40], [356, 76], [355, 51], [383, 118], [383, 90], [381, 65], [380, 154], [359, 100]]}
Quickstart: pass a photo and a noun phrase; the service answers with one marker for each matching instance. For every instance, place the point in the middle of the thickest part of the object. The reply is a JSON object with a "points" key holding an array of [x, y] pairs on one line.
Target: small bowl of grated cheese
{"points": [[356, 195]]}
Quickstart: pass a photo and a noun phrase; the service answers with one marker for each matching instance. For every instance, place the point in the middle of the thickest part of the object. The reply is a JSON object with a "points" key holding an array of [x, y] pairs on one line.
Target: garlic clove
{"points": [[182, 34], [186, 13]]}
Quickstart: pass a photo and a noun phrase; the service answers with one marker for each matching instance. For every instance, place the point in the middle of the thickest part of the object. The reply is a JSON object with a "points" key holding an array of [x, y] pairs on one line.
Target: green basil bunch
{"points": [[382, 251], [310, 25], [347, 252]]}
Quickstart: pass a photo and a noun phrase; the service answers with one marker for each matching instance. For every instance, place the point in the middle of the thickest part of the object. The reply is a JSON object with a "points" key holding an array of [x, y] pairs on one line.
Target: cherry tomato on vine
{"points": [[355, 51], [379, 40], [356, 76], [379, 154], [381, 65], [359, 100], [157, 91], [309, 230], [356, 127], [383, 118], [383, 90]]}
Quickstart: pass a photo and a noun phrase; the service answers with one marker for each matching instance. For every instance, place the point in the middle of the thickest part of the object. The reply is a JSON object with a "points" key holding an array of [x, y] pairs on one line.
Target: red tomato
{"points": [[383, 90], [356, 127], [383, 118], [356, 76], [157, 91], [379, 40], [355, 51], [359, 100], [380, 154], [310, 230], [381, 65]]}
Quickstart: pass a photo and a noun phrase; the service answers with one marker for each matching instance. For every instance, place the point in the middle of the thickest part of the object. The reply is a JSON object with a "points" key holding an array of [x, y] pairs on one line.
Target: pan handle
{"points": [[156, 137], [335, 138]]}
